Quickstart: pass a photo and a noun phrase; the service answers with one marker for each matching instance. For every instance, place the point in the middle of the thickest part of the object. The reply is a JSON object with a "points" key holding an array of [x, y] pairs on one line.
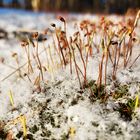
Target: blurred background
{"points": [[94, 6]]}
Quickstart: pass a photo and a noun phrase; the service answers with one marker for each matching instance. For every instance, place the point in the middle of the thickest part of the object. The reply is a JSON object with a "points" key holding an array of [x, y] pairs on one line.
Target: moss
{"points": [[95, 124], [19, 134], [131, 103], [29, 137], [58, 126], [113, 127], [126, 110], [121, 91], [90, 84], [65, 136], [53, 139], [33, 129], [52, 121], [48, 133], [74, 102], [3, 134], [96, 92], [43, 134], [48, 118]]}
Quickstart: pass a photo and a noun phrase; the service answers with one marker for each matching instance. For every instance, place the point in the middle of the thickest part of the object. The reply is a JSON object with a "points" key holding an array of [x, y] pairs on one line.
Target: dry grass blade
{"points": [[5, 78]]}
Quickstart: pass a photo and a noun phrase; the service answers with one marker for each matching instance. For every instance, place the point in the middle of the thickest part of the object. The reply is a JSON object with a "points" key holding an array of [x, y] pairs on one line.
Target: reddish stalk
{"points": [[76, 68], [15, 55], [84, 64], [106, 61], [134, 61], [99, 81], [130, 46], [35, 36], [60, 48], [64, 21], [25, 45]]}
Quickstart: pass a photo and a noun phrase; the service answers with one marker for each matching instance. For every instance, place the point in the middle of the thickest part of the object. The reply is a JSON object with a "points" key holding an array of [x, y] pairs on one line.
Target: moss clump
{"points": [[96, 92], [46, 133], [95, 124], [50, 119], [47, 117], [126, 110], [76, 99], [3, 134], [89, 84], [120, 91], [65, 136], [33, 129], [19, 134], [131, 103], [29, 137]]}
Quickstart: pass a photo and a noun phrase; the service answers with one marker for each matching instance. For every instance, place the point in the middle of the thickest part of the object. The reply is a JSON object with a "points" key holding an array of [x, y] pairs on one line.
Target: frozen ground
{"points": [[60, 110]]}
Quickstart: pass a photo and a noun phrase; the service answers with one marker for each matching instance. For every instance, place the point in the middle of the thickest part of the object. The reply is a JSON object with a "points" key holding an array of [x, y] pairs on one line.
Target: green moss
{"points": [[121, 91], [95, 124], [131, 103], [48, 133], [126, 110], [48, 117], [90, 84], [65, 136], [29, 137], [19, 134], [53, 139], [74, 102], [96, 92], [3, 134], [33, 129]]}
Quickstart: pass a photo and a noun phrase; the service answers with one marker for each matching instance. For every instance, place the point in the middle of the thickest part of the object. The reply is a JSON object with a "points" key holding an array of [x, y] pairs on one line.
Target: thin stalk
{"points": [[84, 64], [26, 63], [39, 62], [61, 51], [106, 62], [45, 52], [100, 72], [57, 50], [134, 61], [115, 62], [19, 71], [27, 51], [76, 68]]}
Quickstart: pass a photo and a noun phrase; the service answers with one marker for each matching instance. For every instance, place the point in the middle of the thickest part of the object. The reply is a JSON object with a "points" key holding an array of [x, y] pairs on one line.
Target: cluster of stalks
{"points": [[31, 48], [115, 47]]}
